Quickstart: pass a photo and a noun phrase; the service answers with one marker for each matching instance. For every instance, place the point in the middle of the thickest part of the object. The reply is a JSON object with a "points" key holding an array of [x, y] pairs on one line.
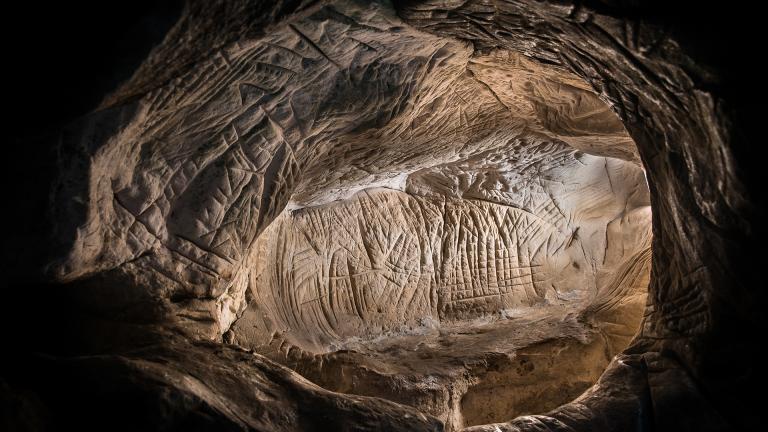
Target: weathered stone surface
{"points": [[345, 292], [702, 209], [388, 259], [511, 190], [173, 383], [432, 202]]}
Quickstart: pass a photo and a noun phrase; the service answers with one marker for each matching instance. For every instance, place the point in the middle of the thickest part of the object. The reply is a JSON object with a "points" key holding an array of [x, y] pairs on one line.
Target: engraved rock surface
{"points": [[352, 180], [350, 215], [472, 254], [181, 182]]}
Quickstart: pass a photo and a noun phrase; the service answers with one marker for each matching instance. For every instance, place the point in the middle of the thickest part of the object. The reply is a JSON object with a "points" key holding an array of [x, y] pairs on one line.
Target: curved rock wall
{"points": [[171, 190], [386, 260], [248, 191], [251, 110], [684, 127]]}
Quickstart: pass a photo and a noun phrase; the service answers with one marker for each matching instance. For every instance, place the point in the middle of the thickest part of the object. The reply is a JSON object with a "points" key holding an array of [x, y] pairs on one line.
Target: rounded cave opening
{"points": [[408, 215], [487, 264]]}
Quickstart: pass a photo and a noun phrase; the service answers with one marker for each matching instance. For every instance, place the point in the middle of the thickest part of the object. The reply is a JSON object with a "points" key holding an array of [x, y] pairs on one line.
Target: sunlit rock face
{"points": [[388, 212]]}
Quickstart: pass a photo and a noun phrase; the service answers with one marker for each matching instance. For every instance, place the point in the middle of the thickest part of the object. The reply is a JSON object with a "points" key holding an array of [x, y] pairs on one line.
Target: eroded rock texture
{"points": [[439, 204], [512, 191], [388, 274], [177, 194]]}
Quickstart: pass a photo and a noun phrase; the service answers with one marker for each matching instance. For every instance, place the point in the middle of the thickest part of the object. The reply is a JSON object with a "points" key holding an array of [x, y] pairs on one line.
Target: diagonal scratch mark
{"points": [[312, 43]]}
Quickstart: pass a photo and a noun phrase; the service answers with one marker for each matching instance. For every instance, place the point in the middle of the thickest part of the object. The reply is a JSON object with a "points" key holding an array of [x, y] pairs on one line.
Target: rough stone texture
{"points": [[345, 292], [500, 214], [251, 117], [174, 383], [701, 211], [180, 182], [385, 259]]}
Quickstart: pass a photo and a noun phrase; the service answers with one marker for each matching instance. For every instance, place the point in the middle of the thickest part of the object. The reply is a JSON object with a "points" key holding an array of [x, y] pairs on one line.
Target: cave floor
{"points": [[465, 373]]}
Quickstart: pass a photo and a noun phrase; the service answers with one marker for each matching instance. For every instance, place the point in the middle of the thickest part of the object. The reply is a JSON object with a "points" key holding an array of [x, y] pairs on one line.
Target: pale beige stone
{"points": [[388, 212]]}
